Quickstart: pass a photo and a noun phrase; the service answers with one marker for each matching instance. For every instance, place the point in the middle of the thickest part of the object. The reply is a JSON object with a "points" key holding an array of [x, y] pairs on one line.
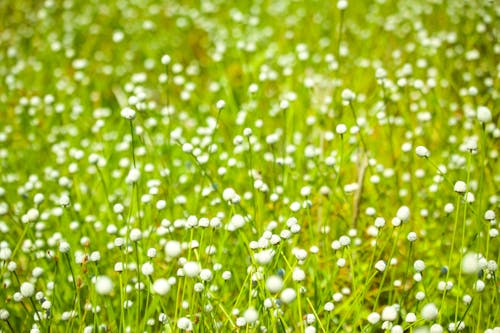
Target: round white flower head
{"points": [[419, 265], [103, 285], [221, 104], [247, 132], [389, 313], [489, 215], [329, 306], [412, 236], [27, 289], [347, 94], [135, 235], [342, 4], [128, 113], [469, 197], [460, 187], [151, 252], [479, 286], [240, 322], [4, 314], [133, 176], [38, 198], [298, 274], [173, 248], [436, 328], [422, 151], [397, 329], [206, 274], [192, 269], [288, 295], [161, 286], [251, 315], [274, 284], [264, 257], [64, 201], [483, 114], [373, 318], [470, 263], [403, 213], [166, 59], [147, 268], [341, 129], [380, 265], [380, 73], [411, 317], [379, 222], [185, 324], [310, 329], [228, 194], [32, 215], [429, 311], [284, 104]]}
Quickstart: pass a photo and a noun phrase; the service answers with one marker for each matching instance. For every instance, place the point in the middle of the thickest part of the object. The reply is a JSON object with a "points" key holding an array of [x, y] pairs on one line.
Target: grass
{"points": [[274, 141]]}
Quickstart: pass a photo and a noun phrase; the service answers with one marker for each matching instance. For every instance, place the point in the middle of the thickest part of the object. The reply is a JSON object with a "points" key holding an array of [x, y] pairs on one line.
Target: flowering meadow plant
{"points": [[253, 166]]}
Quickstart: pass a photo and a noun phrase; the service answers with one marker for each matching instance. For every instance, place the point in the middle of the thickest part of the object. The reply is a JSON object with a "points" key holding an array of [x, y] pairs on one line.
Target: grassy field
{"points": [[252, 166]]}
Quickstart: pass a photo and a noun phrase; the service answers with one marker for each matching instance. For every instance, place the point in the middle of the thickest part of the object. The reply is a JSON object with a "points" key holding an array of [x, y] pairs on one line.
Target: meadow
{"points": [[249, 166]]}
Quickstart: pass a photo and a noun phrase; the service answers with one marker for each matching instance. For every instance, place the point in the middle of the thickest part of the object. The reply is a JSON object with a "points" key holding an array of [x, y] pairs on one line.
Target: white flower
{"points": [[389, 313], [5, 253], [460, 187], [147, 269], [403, 213], [128, 113], [288, 295], [422, 151], [185, 324], [284, 104], [161, 286], [221, 104], [274, 284], [380, 265], [483, 114], [342, 4], [419, 265], [470, 263], [133, 176], [341, 129], [4, 314], [429, 311], [251, 315], [264, 257], [411, 317], [173, 249], [298, 274], [103, 285], [329, 306], [135, 235], [228, 194], [206, 274], [489, 215], [27, 289], [436, 328], [373, 318], [192, 269], [479, 286], [347, 94], [64, 201], [412, 236], [32, 215], [166, 59], [247, 132]]}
